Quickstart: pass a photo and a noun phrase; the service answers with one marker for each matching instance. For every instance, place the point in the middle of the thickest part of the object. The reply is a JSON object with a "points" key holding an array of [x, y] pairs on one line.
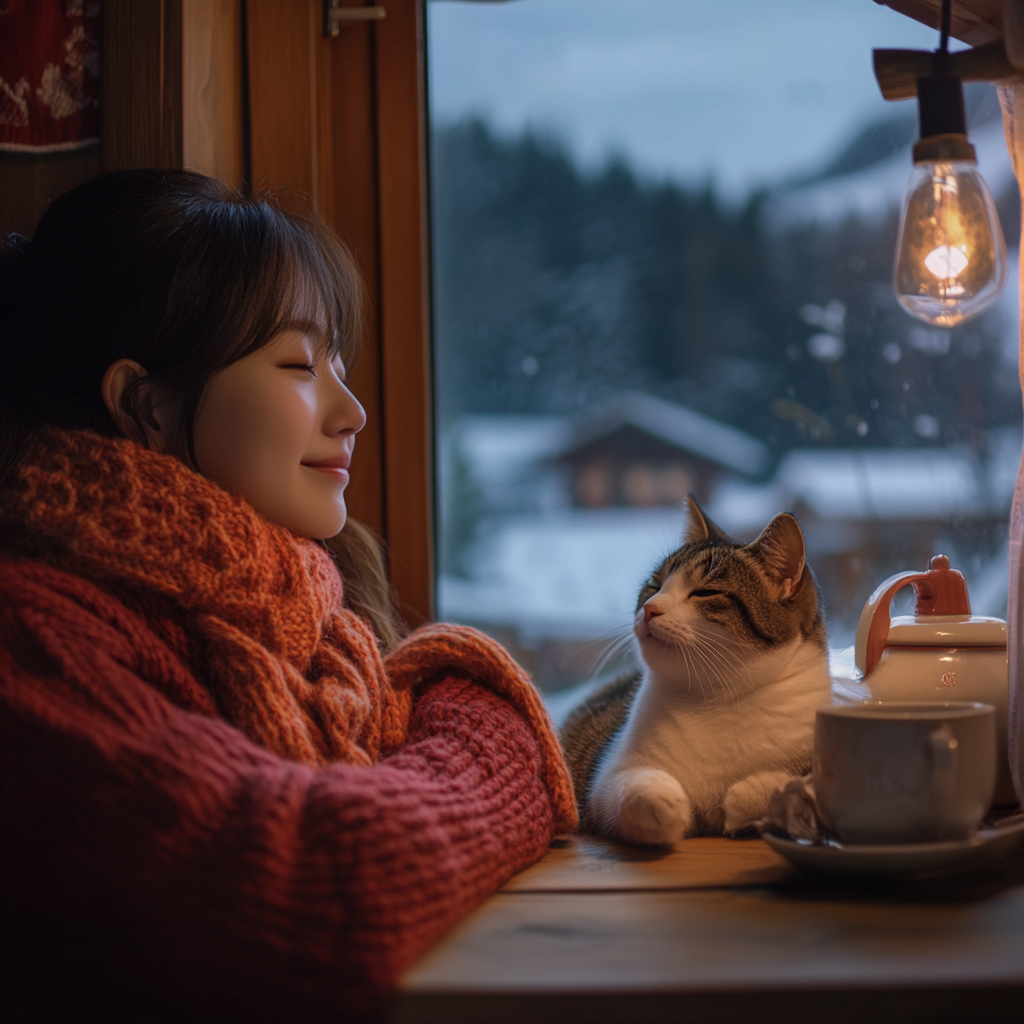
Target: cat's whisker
{"points": [[715, 638], [693, 672], [707, 642], [703, 662], [714, 659], [618, 640], [728, 658], [727, 649], [689, 670], [711, 658], [717, 665], [610, 655], [728, 665]]}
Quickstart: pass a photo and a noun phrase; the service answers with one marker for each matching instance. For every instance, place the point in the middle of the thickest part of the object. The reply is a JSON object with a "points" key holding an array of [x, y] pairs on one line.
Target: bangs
{"points": [[323, 289], [272, 271]]}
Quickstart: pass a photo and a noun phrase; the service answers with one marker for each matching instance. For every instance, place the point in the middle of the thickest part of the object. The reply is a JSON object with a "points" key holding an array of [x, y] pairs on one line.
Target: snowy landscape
{"points": [[612, 334]]}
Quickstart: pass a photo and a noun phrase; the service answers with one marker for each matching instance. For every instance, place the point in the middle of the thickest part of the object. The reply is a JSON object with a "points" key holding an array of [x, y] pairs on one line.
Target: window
{"points": [[662, 258]]}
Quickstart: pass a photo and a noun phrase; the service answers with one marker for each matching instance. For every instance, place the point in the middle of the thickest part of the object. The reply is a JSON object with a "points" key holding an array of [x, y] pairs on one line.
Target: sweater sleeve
{"points": [[444, 649], [160, 855]]}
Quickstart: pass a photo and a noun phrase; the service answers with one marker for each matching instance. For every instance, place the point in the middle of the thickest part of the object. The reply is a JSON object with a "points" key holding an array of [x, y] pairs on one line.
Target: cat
{"points": [[735, 661]]}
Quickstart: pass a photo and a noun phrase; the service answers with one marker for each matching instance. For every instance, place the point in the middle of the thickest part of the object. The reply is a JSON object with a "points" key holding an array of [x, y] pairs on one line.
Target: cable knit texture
{"points": [[217, 801]]}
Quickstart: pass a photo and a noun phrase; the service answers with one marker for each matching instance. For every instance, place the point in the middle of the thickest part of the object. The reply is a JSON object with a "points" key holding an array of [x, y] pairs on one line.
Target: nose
{"points": [[650, 611], [347, 414]]}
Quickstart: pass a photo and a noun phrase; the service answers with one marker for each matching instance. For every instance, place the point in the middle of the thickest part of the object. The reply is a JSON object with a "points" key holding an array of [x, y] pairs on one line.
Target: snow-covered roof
{"points": [[499, 448], [676, 425], [845, 485], [883, 483]]}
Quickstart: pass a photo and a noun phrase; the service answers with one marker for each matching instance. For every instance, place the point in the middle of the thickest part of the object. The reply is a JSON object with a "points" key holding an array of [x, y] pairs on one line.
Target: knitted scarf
{"points": [[254, 611]]}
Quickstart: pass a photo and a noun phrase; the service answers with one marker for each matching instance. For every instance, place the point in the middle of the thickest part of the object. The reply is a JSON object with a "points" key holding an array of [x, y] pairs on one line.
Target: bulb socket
{"points": [[941, 115], [938, 149]]}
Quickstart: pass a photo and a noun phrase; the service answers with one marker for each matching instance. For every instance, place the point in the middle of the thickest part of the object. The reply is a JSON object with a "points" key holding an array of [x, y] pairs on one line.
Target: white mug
{"points": [[904, 772]]}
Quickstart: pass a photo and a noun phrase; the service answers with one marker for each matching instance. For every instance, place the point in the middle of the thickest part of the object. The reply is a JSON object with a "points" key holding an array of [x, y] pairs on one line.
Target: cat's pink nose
{"points": [[650, 611]]}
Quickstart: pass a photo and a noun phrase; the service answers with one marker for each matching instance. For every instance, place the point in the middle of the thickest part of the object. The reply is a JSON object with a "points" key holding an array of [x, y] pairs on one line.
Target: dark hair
{"points": [[177, 272]]}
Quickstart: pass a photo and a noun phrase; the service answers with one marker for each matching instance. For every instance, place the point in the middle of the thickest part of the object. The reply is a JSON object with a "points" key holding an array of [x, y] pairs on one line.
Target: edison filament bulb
{"points": [[950, 257]]}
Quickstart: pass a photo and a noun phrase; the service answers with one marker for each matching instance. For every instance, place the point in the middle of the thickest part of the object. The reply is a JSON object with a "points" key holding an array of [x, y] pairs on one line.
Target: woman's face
{"points": [[278, 428]]}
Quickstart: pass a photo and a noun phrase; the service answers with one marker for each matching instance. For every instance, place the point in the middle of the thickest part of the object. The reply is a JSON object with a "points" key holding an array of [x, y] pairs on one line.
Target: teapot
{"points": [[941, 652]]}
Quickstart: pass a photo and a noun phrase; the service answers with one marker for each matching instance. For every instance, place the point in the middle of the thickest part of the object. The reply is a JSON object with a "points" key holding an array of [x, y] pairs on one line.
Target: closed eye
{"points": [[307, 367], [704, 593]]}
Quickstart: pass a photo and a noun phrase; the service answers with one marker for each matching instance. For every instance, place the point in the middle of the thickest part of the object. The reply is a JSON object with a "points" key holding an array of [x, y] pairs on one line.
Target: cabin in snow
{"points": [[640, 451]]}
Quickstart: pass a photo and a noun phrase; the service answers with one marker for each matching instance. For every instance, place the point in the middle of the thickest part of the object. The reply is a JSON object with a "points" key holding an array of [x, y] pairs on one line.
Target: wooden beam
{"points": [[897, 71], [976, 22]]}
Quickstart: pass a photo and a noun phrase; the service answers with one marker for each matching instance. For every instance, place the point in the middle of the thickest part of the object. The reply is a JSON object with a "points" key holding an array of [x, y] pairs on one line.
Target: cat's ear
{"points": [[780, 549], [698, 525]]}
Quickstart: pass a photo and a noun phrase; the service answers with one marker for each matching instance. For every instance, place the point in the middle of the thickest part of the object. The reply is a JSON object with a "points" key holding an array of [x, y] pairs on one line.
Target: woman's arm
{"points": [[158, 857]]}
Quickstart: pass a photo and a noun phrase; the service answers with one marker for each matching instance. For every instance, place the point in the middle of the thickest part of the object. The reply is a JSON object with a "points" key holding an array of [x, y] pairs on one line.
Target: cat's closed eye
{"points": [[704, 593]]}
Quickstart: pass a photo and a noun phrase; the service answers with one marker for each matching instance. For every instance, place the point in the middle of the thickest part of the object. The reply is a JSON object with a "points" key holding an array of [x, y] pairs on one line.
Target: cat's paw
{"points": [[747, 800], [652, 808]]}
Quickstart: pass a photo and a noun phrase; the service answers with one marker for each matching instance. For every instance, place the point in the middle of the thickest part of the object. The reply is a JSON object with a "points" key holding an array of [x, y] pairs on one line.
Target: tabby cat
{"points": [[735, 661]]}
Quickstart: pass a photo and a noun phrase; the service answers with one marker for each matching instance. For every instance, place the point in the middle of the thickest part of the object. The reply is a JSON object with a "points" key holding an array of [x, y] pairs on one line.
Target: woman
{"points": [[225, 795]]}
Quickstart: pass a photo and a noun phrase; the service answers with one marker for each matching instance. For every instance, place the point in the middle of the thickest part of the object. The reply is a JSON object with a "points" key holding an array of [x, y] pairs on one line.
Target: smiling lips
{"points": [[337, 467]]}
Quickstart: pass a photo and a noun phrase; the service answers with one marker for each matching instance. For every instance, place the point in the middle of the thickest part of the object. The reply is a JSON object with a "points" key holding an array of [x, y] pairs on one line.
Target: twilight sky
{"points": [[747, 91]]}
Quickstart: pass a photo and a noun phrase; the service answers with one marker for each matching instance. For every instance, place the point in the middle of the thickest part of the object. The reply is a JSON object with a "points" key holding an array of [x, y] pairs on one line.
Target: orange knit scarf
{"points": [[255, 611]]}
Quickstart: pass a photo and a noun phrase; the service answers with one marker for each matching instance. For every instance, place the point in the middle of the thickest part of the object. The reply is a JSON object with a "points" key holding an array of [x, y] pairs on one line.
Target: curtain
{"points": [[49, 75], [1011, 96]]}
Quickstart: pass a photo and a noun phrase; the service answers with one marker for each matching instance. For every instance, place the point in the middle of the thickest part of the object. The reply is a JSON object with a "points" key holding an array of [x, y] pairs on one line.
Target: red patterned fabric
{"points": [[49, 74]]}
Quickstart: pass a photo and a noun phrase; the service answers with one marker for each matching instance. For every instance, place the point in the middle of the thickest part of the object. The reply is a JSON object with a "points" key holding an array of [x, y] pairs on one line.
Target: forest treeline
{"points": [[555, 286]]}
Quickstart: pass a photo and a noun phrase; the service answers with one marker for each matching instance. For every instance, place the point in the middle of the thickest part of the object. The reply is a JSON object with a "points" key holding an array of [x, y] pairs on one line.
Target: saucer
{"points": [[892, 860]]}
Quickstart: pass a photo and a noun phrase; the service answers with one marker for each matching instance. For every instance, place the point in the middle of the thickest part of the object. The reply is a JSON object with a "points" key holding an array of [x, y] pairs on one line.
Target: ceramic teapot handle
{"points": [[939, 591]]}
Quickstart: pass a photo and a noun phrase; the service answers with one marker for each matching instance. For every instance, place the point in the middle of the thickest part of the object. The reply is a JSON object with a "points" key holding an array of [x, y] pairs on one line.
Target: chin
{"points": [[312, 523], [652, 650], [326, 528]]}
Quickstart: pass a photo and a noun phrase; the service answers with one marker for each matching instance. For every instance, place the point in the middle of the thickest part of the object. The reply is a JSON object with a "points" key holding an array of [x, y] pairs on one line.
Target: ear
{"points": [[698, 525], [119, 376], [780, 549]]}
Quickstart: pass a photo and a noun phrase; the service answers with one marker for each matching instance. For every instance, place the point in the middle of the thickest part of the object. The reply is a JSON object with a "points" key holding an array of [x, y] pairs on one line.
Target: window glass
{"points": [[663, 242]]}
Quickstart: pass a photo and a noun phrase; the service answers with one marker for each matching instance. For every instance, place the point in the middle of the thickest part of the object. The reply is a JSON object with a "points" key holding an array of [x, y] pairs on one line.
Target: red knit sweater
{"points": [[157, 863]]}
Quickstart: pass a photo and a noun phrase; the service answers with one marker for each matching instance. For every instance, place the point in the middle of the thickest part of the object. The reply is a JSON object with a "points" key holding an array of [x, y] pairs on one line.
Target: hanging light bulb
{"points": [[950, 256]]}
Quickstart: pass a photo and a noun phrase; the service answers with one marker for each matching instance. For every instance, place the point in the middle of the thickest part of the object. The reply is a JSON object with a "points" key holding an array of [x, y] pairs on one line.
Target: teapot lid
{"points": [[946, 631]]}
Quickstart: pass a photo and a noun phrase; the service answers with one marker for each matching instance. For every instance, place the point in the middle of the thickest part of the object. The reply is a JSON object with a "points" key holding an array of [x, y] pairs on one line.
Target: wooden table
{"points": [[722, 931]]}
